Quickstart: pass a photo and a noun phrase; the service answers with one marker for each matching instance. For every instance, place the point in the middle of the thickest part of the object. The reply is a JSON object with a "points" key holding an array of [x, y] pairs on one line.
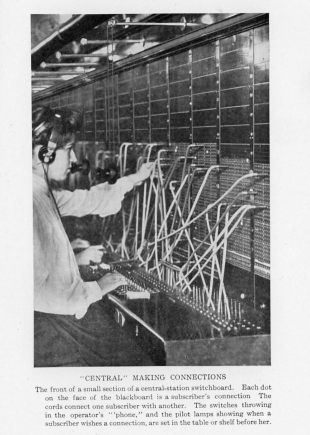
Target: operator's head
{"points": [[53, 135]]}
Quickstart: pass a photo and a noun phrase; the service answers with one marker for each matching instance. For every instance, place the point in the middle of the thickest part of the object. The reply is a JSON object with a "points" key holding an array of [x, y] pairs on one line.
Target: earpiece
{"points": [[46, 156]]}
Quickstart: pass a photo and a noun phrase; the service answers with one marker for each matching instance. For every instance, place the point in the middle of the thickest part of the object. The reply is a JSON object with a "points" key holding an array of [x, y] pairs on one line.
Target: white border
{"points": [[289, 206]]}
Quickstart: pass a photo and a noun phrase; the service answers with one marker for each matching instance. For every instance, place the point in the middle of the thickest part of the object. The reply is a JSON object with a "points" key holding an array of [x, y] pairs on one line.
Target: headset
{"points": [[47, 153]]}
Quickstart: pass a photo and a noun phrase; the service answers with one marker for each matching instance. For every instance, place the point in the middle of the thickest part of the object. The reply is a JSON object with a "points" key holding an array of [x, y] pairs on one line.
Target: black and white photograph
{"points": [[154, 261], [151, 209]]}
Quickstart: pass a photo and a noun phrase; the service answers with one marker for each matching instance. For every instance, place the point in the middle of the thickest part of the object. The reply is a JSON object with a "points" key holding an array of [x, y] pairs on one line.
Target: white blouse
{"points": [[58, 287]]}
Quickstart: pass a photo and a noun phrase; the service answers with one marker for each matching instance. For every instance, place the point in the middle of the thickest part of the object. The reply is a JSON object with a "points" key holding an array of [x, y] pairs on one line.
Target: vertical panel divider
{"points": [[218, 116], [94, 111], [108, 110], [149, 98], [251, 159], [191, 119], [118, 122], [131, 104], [132, 99], [113, 112], [84, 115], [190, 197], [116, 112], [168, 100], [105, 112]]}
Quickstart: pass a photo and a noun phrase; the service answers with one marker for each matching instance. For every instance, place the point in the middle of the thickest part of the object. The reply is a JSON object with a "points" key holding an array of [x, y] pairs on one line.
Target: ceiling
{"points": [[67, 46]]}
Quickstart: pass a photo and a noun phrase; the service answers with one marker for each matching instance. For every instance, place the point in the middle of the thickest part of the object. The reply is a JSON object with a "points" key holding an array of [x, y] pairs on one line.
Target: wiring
{"points": [[159, 218]]}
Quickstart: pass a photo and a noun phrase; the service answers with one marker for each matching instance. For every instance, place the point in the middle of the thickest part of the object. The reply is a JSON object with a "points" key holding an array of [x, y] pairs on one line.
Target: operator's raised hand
{"points": [[144, 173]]}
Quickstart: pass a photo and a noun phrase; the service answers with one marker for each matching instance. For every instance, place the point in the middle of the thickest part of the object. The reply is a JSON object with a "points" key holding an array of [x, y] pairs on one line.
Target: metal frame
{"points": [[67, 33], [207, 34]]}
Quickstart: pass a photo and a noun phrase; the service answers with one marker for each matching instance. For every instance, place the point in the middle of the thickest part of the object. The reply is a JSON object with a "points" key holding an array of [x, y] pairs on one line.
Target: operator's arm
{"points": [[58, 287], [103, 200], [76, 298]]}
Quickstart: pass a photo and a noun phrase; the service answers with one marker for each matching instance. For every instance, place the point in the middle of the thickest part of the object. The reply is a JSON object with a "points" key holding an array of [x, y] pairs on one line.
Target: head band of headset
{"points": [[47, 153]]}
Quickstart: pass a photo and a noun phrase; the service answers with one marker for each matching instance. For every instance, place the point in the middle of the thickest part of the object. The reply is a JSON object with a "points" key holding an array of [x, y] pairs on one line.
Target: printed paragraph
{"points": [[155, 405]]}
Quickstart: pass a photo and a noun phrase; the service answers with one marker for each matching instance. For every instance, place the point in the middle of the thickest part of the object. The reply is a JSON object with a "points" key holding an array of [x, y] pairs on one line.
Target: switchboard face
{"points": [[215, 93]]}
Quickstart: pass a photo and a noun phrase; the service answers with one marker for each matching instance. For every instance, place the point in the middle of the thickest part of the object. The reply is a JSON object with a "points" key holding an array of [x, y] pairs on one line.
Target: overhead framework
{"points": [[87, 37], [71, 30]]}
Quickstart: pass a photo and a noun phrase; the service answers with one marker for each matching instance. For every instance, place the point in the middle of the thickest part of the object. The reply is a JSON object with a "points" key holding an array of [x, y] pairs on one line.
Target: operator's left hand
{"points": [[93, 253], [80, 244]]}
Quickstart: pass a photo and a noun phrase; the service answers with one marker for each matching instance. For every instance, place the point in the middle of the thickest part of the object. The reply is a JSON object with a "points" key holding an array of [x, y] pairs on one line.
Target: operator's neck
{"points": [[37, 169]]}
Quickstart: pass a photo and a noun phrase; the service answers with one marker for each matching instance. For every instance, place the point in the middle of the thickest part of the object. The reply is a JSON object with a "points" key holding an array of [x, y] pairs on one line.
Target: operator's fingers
{"points": [[122, 281], [80, 244], [149, 166], [98, 247], [117, 277]]}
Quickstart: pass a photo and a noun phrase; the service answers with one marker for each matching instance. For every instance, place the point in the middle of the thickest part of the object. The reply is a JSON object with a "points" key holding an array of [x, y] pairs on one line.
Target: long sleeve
{"points": [[59, 296], [103, 200], [58, 287]]}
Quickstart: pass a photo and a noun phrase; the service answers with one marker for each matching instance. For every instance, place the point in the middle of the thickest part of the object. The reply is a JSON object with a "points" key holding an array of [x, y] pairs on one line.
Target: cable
{"points": [[242, 211], [210, 206], [193, 249], [220, 219], [221, 270], [214, 259]]}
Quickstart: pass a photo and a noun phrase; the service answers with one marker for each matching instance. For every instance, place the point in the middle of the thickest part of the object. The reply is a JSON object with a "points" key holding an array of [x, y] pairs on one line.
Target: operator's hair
{"points": [[43, 123]]}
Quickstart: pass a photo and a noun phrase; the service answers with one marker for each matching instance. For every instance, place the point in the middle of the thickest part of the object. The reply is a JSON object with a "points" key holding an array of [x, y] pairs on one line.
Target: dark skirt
{"points": [[94, 340]]}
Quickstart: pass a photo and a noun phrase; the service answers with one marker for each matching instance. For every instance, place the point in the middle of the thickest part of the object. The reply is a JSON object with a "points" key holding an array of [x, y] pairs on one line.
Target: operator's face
{"points": [[59, 169]]}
